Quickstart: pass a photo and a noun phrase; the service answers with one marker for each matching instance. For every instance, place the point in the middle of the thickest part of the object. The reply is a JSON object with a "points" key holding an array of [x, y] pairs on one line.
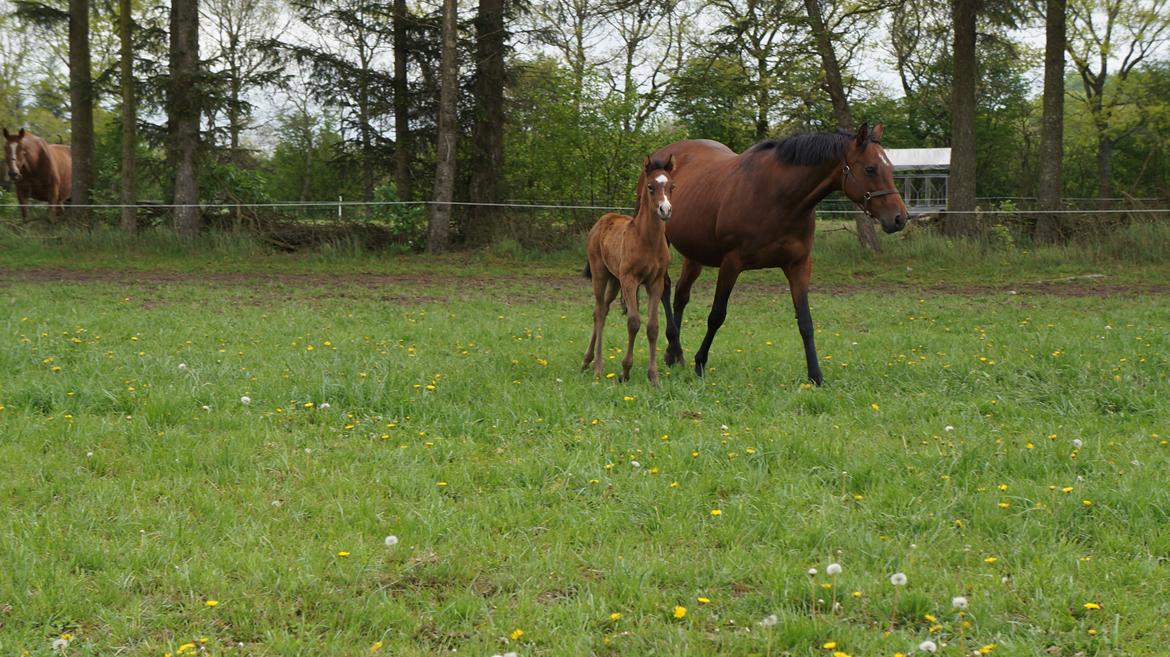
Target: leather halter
{"points": [[864, 205]]}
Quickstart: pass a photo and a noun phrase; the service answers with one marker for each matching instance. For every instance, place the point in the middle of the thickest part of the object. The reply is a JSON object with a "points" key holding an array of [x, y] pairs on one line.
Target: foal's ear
{"points": [[862, 134], [646, 164], [6, 131]]}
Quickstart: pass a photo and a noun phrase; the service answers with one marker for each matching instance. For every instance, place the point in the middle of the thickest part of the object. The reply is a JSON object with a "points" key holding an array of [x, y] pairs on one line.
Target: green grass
{"points": [[134, 490]]}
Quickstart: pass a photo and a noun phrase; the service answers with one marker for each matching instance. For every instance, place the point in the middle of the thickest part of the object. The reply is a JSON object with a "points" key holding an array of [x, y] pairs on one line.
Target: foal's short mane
{"points": [[809, 148]]}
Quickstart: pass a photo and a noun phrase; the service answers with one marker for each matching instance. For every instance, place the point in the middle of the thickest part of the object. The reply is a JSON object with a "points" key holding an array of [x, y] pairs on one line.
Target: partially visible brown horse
{"points": [[757, 210], [40, 170], [627, 253]]}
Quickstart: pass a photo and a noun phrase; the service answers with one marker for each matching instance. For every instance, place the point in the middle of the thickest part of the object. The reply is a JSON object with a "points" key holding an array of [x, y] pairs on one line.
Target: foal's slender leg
{"points": [[633, 322], [654, 292], [682, 296], [599, 281], [728, 273], [611, 290], [798, 276]]}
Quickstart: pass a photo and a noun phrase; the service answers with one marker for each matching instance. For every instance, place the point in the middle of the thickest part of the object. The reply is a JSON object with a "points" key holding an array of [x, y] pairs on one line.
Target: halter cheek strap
{"points": [[847, 173]]}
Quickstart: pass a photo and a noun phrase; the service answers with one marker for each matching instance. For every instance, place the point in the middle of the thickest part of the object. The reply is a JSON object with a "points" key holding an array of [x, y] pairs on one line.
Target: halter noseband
{"points": [[848, 173]]}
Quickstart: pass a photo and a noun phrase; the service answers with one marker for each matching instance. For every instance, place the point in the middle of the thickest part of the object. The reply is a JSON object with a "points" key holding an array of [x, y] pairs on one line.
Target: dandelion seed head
{"points": [[391, 540], [1077, 443], [59, 645], [245, 400], [769, 620], [182, 366], [959, 602], [812, 572], [928, 646], [833, 569], [324, 406], [898, 579]]}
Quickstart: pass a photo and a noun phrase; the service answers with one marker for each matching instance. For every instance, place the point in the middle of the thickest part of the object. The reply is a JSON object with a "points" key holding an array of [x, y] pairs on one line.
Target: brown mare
{"points": [[626, 253], [40, 170], [756, 211]]}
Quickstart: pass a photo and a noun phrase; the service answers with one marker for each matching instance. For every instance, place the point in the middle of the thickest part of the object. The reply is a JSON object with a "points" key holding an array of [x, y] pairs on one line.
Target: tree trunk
{"points": [[440, 222], [81, 109], [184, 109], [1049, 227], [961, 188], [833, 81], [129, 120], [487, 164], [402, 145], [1104, 168]]}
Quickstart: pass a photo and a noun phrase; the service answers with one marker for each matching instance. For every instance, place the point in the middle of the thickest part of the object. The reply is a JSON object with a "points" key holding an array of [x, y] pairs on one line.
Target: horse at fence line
{"points": [[626, 253], [757, 211], [39, 170]]}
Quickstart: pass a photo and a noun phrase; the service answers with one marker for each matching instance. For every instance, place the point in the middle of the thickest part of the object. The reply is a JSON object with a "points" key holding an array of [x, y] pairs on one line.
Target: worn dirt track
{"points": [[427, 286]]}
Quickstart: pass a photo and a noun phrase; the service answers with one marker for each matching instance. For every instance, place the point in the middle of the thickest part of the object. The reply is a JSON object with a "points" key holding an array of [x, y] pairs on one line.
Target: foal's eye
{"points": [[650, 188], [871, 171]]}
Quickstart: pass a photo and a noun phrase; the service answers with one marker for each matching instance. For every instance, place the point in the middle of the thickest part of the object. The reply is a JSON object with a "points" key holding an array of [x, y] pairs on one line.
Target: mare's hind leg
{"points": [[728, 273], [633, 323], [682, 296]]}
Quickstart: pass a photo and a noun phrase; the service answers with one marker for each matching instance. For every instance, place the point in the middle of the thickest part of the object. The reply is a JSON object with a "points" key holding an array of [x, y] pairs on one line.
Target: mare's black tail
{"points": [[587, 273]]}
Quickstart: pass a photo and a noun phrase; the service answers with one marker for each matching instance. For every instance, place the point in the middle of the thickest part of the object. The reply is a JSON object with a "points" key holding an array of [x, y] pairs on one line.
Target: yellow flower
{"points": [[704, 601], [986, 650], [829, 645], [615, 616], [1005, 504], [627, 398], [716, 512], [1092, 605], [840, 654], [376, 647], [343, 554], [516, 634], [929, 617], [1086, 503], [1092, 632], [875, 407], [990, 559], [680, 612], [441, 484], [211, 603]]}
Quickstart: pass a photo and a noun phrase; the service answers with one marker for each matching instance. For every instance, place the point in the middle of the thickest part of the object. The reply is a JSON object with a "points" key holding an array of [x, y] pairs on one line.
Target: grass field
{"points": [[212, 464]]}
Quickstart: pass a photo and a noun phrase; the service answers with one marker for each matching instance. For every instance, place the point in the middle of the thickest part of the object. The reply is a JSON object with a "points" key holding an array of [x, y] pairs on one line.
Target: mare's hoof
{"points": [[700, 369], [672, 358]]}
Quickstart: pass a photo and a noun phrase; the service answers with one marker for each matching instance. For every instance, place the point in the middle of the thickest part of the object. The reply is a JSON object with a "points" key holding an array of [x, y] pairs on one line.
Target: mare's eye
{"points": [[871, 171]]}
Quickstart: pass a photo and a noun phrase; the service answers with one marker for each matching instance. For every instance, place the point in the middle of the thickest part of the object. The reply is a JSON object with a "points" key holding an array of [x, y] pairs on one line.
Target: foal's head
{"points": [[658, 188], [868, 180], [13, 153]]}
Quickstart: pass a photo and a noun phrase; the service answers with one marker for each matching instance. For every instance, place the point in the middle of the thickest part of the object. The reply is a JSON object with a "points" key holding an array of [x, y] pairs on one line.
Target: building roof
{"points": [[920, 158]]}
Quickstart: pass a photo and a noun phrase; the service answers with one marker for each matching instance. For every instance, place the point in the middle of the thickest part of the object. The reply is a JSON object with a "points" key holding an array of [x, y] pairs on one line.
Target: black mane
{"points": [[810, 148]]}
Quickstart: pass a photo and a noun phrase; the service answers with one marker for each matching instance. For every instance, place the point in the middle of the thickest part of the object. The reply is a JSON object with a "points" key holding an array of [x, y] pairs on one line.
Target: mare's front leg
{"points": [[633, 322], [682, 296], [729, 271], [22, 201], [654, 293], [798, 276]]}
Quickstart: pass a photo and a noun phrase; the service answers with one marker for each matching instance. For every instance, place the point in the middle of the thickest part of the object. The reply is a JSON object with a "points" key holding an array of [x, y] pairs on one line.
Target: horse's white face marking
{"points": [[664, 205], [662, 178], [886, 160], [10, 157]]}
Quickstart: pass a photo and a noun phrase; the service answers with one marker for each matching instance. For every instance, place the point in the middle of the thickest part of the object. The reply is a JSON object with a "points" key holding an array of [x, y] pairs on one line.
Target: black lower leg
{"points": [[804, 322]]}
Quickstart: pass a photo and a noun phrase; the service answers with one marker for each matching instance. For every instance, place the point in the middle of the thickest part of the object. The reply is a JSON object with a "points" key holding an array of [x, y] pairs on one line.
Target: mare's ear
{"points": [[877, 131], [21, 135], [5, 131], [862, 134], [669, 165]]}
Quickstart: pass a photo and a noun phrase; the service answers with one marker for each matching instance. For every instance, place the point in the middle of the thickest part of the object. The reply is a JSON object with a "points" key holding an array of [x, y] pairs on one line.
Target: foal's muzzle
{"points": [[664, 210]]}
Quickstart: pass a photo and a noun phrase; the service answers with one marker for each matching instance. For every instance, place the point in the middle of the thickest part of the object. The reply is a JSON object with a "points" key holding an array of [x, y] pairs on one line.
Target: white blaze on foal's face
{"points": [[664, 204]]}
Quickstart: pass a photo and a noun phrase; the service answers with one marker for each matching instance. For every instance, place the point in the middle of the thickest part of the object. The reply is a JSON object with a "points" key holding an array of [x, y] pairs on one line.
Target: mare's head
{"points": [[13, 153], [656, 193], [868, 180]]}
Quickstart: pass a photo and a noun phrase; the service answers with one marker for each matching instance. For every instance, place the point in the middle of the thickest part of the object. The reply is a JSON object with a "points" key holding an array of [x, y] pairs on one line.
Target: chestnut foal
{"points": [[627, 253]]}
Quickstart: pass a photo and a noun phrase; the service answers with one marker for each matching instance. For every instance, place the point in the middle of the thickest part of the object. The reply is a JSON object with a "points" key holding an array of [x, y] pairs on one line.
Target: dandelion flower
{"points": [[716, 512], [959, 602], [680, 612], [211, 603], [516, 634], [829, 645], [376, 647], [898, 579], [391, 540], [703, 601], [1092, 605], [343, 554], [928, 646], [615, 616], [833, 569]]}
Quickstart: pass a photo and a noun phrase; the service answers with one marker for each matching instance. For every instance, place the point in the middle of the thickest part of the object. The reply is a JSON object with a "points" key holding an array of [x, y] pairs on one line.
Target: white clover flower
{"points": [[182, 366], [89, 454], [391, 540], [245, 400], [769, 620], [324, 406], [812, 572], [898, 579], [1077, 443], [206, 408], [635, 464], [959, 602], [928, 646], [948, 428], [59, 645], [833, 569]]}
